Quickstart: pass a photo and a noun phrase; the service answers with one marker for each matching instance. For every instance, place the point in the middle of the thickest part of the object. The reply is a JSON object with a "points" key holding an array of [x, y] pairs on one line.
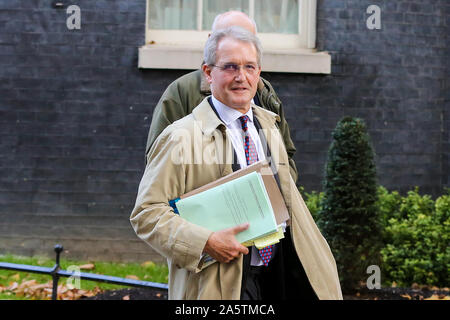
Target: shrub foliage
{"points": [[415, 234], [348, 213], [417, 239]]}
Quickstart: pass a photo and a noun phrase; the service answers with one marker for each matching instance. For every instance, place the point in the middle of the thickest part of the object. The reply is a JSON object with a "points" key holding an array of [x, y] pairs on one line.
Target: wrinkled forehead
{"points": [[236, 51]]}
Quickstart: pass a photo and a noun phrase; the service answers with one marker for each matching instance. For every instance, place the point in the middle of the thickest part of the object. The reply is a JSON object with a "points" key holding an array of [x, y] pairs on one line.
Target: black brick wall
{"points": [[393, 78], [75, 111]]}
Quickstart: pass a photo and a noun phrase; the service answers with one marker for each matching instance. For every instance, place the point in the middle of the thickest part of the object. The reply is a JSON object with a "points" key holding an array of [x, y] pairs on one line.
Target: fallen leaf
{"points": [[41, 286], [406, 296], [133, 277], [19, 293], [89, 294], [434, 288], [438, 297], [13, 286], [27, 284], [62, 289], [31, 289], [126, 298], [89, 266], [147, 264], [16, 277]]}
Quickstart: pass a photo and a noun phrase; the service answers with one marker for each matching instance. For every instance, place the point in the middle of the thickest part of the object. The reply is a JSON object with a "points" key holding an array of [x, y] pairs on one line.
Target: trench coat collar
{"points": [[208, 119], [265, 116]]}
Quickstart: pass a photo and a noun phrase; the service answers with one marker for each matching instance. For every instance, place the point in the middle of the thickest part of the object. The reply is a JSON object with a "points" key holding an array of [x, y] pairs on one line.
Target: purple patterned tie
{"points": [[251, 155]]}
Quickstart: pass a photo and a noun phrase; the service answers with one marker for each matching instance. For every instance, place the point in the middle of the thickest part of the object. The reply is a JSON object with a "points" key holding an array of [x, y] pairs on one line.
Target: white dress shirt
{"points": [[230, 118]]}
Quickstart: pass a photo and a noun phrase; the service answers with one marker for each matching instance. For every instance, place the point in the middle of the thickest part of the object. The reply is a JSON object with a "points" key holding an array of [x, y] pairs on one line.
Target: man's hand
{"points": [[223, 246]]}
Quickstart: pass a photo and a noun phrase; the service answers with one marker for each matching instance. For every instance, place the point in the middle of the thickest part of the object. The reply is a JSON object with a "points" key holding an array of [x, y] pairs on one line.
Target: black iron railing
{"points": [[56, 272]]}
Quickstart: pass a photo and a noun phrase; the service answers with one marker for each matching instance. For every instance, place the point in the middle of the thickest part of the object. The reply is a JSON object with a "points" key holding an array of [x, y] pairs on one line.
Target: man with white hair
{"points": [[186, 92], [223, 126]]}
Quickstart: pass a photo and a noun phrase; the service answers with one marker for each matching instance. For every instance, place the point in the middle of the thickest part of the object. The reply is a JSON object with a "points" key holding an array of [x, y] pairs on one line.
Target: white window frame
{"points": [[183, 49]]}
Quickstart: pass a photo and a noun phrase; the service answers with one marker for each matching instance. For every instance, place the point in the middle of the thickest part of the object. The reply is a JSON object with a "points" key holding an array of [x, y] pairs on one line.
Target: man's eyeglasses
{"points": [[233, 68]]}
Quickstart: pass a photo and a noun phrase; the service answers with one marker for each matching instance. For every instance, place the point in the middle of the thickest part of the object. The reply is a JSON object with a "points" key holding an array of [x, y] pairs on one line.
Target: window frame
{"points": [[305, 39], [182, 49]]}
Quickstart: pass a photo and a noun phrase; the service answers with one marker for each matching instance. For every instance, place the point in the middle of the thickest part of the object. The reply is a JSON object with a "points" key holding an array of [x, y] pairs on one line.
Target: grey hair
{"points": [[234, 32], [220, 16]]}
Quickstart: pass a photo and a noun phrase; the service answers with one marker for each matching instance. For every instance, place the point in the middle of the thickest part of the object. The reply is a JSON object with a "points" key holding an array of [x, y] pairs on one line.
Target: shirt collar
{"points": [[227, 114]]}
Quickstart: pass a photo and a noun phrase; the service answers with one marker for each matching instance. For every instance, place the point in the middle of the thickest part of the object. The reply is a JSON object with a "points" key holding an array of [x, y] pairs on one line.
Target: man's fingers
{"points": [[243, 249], [223, 246], [240, 228]]}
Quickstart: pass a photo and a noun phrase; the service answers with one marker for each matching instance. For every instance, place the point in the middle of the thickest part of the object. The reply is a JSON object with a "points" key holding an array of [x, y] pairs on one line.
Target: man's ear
{"points": [[207, 72]]}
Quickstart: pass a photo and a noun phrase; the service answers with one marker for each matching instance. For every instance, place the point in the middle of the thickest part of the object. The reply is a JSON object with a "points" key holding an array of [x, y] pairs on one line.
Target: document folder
{"points": [[276, 198]]}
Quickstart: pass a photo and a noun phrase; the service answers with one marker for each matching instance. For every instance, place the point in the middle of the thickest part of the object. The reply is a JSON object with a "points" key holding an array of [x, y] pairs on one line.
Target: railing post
{"points": [[58, 249]]}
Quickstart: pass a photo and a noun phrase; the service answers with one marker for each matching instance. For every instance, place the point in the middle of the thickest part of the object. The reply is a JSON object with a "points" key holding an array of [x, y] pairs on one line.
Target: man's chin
{"points": [[241, 104], [242, 100]]}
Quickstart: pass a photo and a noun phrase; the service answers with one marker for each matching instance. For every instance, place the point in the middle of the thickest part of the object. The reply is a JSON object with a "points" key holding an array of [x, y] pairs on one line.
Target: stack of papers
{"points": [[247, 195], [267, 240]]}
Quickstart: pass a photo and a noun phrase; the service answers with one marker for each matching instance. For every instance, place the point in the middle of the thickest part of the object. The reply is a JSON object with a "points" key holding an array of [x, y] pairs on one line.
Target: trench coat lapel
{"points": [[214, 129]]}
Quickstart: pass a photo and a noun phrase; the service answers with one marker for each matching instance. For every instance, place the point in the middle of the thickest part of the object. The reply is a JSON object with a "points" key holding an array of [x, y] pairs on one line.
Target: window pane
{"points": [[173, 14], [277, 16], [211, 8]]}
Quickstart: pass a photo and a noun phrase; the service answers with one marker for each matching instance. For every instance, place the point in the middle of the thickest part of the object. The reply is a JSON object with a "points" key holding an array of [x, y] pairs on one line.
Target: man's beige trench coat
{"points": [[190, 153]]}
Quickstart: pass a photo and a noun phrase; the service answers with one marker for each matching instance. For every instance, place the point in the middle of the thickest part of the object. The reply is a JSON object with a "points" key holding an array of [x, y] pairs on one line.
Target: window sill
{"points": [[189, 58]]}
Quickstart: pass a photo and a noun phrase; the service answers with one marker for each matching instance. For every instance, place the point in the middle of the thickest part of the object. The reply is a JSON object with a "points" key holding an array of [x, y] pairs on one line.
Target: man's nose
{"points": [[240, 74]]}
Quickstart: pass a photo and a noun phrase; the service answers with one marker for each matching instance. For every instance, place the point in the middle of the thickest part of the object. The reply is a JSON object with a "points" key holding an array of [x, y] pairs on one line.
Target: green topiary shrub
{"points": [[348, 215]]}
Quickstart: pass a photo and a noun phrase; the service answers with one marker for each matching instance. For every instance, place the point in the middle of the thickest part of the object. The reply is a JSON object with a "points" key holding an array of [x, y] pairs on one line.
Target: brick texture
{"points": [[75, 112], [393, 78]]}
